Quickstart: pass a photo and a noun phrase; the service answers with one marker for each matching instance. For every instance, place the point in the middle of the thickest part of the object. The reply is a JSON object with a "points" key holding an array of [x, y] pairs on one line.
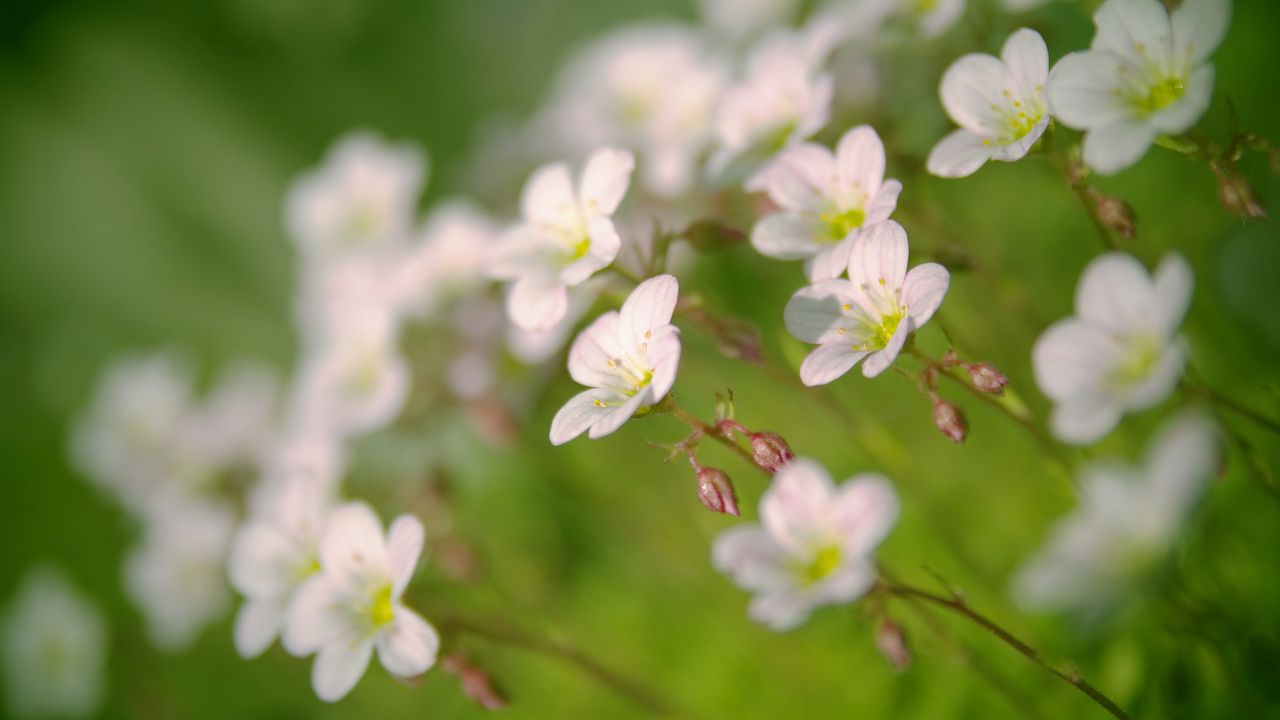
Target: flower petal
{"points": [[879, 361], [1189, 108], [749, 555], [800, 178], [788, 235], [848, 582], [619, 414], [796, 507], [883, 204], [581, 412], [650, 306], [860, 163], [1073, 357], [828, 362], [352, 545], [404, 546], [832, 260], [1174, 282], [879, 258], [259, 560], [1112, 148], [973, 92], [258, 622], [1199, 26], [548, 195], [605, 179], [663, 354], [409, 648], [314, 618], [1028, 59], [780, 610], [537, 301], [1132, 28], [594, 352], [1116, 293], [1084, 91], [958, 155], [923, 290], [602, 248], [1084, 418], [815, 314], [339, 666], [864, 510]]}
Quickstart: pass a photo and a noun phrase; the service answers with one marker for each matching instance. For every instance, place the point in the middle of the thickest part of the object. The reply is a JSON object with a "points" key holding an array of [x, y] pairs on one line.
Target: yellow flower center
{"points": [[382, 612], [582, 247], [824, 562], [1159, 96], [839, 225], [1139, 360]]}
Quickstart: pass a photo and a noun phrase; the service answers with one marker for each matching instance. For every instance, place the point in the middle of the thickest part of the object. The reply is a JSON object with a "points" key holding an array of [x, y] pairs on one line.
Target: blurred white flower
{"points": [[566, 236], [273, 553], [448, 260], [628, 359], [54, 649], [237, 420], [998, 103], [814, 543], [872, 313], [354, 604], [1120, 352], [933, 17], [746, 18], [1126, 523], [177, 576], [1146, 74], [360, 202], [826, 200]]}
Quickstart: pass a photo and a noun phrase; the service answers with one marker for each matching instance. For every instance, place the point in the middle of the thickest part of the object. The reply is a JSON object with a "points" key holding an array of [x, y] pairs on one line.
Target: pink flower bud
{"points": [[770, 451], [715, 490], [892, 644], [1237, 195], [950, 420], [987, 378], [1115, 214], [476, 683]]}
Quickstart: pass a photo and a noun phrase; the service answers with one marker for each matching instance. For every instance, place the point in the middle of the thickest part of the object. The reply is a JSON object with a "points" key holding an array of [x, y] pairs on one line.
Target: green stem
{"points": [[669, 406]]}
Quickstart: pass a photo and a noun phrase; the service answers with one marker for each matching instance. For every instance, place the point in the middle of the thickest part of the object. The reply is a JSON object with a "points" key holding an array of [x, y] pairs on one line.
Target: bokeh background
{"points": [[145, 149]]}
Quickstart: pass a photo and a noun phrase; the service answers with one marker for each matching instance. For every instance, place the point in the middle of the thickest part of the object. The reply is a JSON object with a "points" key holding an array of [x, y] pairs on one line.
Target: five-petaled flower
{"points": [[566, 236], [1120, 352], [814, 543], [353, 605], [826, 199], [1145, 75], [872, 313], [998, 103], [628, 359]]}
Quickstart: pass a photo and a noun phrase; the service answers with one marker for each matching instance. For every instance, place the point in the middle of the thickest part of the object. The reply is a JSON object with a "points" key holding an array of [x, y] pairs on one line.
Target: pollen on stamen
{"points": [[648, 334], [882, 281], [846, 307]]}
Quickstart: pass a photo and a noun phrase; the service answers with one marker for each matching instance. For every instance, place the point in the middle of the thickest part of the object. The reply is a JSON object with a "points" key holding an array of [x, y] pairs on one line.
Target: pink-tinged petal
{"points": [[548, 196], [258, 622], [816, 314], [1133, 28], [860, 162], [879, 258], [602, 250], [883, 204], [605, 179], [797, 506], [973, 93], [1112, 148], [1116, 293], [259, 560], [581, 412], [594, 351], [780, 610], [619, 414], [801, 178], [339, 666], [1189, 108], [1019, 148], [1028, 58], [788, 235], [515, 251], [847, 583], [829, 362], [879, 361], [1084, 90], [1199, 26], [923, 290], [663, 353], [404, 546], [315, 617], [1073, 357], [749, 555], [1084, 418], [352, 546], [537, 302], [649, 306], [831, 262], [409, 648], [959, 154], [817, 107], [865, 509], [1174, 283]]}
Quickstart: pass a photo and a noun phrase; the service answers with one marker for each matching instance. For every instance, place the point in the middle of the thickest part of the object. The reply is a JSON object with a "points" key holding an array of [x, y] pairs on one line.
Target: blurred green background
{"points": [[145, 148]]}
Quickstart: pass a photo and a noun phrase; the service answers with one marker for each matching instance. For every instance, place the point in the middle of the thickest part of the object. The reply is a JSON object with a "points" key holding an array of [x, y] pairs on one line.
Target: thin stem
{"points": [[669, 406], [958, 606], [1227, 403]]}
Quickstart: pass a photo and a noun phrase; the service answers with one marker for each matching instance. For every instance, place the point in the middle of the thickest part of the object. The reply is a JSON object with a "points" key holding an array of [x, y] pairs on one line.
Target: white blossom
{"points": [[628, 359], [353, 605], [1120, 352], [1146, 74], [869, 315], [998, 103], [814, 543], [448, 260]]}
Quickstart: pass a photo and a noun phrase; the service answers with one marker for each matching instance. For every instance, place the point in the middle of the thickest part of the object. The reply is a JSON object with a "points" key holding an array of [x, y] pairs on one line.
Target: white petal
{"points": [[616, 416], [258, 622], [603, 247], [537, 302], [1199, 26], [1132, 28], [815, 314], [958, 155], [1160, 380], [259, 560], [664, 357], [831, 261], [883, 204], [848, 582], [1084, 90], [860, 161], [404, 545], [865, 509], [1116, 293], [923, 290], [780, 610], [788, 235], [352, 545], [879, 361], [801, 177], [582, 411], [1084, 418], [880, 257], [315, 617], [1073, 357], [829, 362], [409, 648], [973, 92], [796, 506], [1173, 285], [650, 306], [749, 555], [548, 195], [1189, 108], [1181, 459], [593, 352], [605, 179], [516, 251], [1028, 58], [1112, 148], [338, 667]]}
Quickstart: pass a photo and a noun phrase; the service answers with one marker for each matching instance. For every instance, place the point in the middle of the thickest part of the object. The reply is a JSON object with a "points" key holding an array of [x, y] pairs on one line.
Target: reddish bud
{"points": [[892, 644], [1115, 214], [715, 490], [950, 420], [770, 451], [987, 378], [476, 684], [1237, 195]]}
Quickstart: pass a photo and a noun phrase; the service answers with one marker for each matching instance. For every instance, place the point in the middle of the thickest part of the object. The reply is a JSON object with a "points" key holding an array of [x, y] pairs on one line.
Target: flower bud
{"points": [[476, 683], [1237, 195], [950, 420], [987, 378], [715, 490], [892, 644], [770, 451], [1115, 214]]}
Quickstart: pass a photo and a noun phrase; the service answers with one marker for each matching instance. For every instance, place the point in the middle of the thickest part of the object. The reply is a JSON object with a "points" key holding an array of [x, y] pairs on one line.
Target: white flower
{"points": [[1144, 75], [814, 544], [1120, 352], [826, 200], [177, 576], [628, 359], [565, 238], [354, 604], [871, 314], [1127, 521], [54, 649], [273, 554], [360, 202], [449, 259], [998, 103]]}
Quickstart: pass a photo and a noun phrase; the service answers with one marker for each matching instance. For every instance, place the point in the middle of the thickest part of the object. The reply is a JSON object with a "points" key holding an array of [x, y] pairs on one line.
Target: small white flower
{"points": [[54, 649], [998, 103], [353, 606], [628, 359], [826, 200], [1120, 352], [449, 259], [1145, 74], [872, 313], [273, 554], [237, 420], [177, 576], [814, 543], [566, 236], [360, 202], [1127, 521], [355, 383]]}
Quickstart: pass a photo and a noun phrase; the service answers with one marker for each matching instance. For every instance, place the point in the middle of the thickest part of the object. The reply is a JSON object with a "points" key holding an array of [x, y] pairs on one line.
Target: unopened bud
{"points": [[1237, 195], [987, 378], [950, 420], [710, 236], [770, 451], [891, 641], [476, 683], [1115, 214], [715, 490]]}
